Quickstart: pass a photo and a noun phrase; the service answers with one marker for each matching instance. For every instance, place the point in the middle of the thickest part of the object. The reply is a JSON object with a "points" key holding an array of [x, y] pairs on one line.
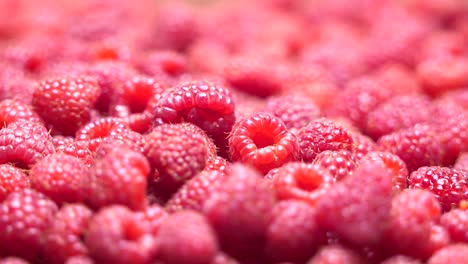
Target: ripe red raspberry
{"points": [[61, 177], [186, 237], [398, 113], [398, 79], [25, 215], [262, 141], [13, 260], [417, 146], [454, 253], [294, 111], [334, 254], [395, 165], [154, 215], [120, 177], [63, 238], [449, 185], [440, 74], [401, 259], [65, 103], [321, 135], [363, 145], [357, 207], [78, 149], [160, 62], [207, 105], [193, 194], [453, 133], [217, 163], [293, 234], [23, 143], [14, 84], [462, 162], [438, 239], [176, 153], [359, 98], [116, 235], [456, 223], [80, 260], [254, 75], [12, 110], [340, 163], [11, 179], [240, 210], [301, 181], [412, 215]]}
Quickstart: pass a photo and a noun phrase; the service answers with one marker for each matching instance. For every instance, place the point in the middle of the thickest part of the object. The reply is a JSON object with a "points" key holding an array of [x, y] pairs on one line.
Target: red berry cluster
{"points": [[237, 132]]}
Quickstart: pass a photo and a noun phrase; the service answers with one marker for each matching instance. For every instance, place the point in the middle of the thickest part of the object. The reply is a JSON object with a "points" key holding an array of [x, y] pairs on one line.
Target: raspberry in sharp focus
{"points": [[417, 146], [321, 135], [207, 105], [120, 177], [12, 110], [63, 238], [395, 165], [24, 216], [196, 191], [340, 163], [11, 179], [23, 143], [61, 177], [449, 185], [65, 103], [240, 210], [176, 153], [454, 253], [262, 141], [357, 207], [116, 235], [187, 237], [293, 234], [294, 111], [301, 181]]}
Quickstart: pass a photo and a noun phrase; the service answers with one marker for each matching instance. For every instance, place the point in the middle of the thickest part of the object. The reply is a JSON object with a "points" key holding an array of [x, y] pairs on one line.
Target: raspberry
{"points": [[358, 98], [454, 253], [456, 223], [417, 146], [217, 163], [115, 235], [340, 164], [293, 235], [401, 259], [207, 105], [61, 177], [462, 162], [15, 85], [176, 153], [254, 75], [412, 216], [196, 191], [459, 96], [302, 181], [163, 62], [294, 111], [240, 210], [398, 113], [24, 216], [120, 177], [222, 258], [186, 237], [11, 179], [12, 110], [23, 143], [13, 260], [262, 141], [78, 149], [357, 207], [443, 73], [454, 135], [398, 79], [449, 185], [154, 215], [363, 145], [62, 239], [395, 165], [334, 254], [438, 239], [65, 103], [321, 135], [79, 260]]}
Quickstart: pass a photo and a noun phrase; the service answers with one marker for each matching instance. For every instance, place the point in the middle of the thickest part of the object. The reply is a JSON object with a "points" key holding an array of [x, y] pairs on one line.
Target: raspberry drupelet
{"points": [[11, 179], [262, 141], [340, 164]]}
